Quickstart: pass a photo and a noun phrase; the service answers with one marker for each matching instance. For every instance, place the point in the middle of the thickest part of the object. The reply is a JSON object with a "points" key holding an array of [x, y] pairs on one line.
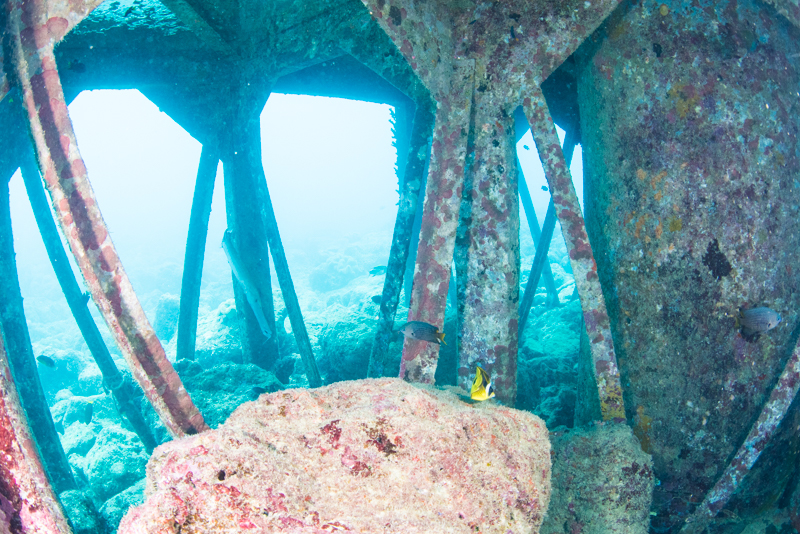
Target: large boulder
{"points": [[366, 456], [602, 482]]}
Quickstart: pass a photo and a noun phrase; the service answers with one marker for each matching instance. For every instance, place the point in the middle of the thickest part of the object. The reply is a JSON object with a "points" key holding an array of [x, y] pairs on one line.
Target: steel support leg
{"points": [[287, 287], [242, 183], [439, 222], [581, 257], [488, 327], [195, 253], [401, 239], [80, 219]]}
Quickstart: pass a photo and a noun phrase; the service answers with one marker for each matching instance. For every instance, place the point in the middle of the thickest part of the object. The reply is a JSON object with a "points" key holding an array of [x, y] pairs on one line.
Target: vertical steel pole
{"points": [[21, 359]]}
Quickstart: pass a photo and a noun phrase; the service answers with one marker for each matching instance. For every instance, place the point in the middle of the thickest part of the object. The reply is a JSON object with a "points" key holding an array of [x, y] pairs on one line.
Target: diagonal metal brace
{"points": [[782, 396], [581, 256], [76, 208]]}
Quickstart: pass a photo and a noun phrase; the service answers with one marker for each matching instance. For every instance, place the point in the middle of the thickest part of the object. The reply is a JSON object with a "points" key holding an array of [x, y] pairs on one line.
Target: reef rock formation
{"points": [[376, 455], [602, 482]]}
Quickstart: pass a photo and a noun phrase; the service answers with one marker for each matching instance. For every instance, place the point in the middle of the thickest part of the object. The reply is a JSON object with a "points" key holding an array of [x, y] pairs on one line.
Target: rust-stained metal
{"points": [[22, 360], [27, 501], [513, 46], [439, 223], [581, 257], [395, 268], [782, 396], [33, 34]]}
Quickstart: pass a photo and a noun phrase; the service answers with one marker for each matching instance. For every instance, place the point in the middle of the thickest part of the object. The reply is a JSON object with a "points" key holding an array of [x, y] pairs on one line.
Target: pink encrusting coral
{"points": [[363, 456]]}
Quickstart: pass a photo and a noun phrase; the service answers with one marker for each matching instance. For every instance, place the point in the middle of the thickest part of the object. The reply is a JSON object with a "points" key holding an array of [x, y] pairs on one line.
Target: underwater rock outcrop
{"points": [[602, 482], [366, 456]]}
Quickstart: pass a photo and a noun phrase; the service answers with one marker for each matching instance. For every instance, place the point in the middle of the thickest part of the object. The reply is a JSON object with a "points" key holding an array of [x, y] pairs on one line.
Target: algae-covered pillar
{"points": [[689, 125]]}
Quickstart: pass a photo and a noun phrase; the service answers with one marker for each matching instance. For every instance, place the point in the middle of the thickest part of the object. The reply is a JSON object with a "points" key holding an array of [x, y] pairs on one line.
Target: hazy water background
{"points": [[329, 165]]}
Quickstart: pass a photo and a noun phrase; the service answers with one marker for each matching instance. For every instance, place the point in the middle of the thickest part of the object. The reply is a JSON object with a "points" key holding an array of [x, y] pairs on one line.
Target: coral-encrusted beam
{"points": [[782, 396], [581, 257], [439, 222], [403, 230], [27, 501], [33, 34], [488, 321]]}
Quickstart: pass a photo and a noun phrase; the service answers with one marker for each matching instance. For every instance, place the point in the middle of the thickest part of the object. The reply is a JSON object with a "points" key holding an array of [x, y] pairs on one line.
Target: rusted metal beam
{"points": [[581, 257], [21, 358], [413, 178], [781, 397], [439, 222], [195, 253], [29, 503], [30, 31], [76, 301]]}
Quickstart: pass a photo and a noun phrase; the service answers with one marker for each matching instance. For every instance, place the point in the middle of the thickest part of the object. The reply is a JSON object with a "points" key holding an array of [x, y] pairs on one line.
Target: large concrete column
{"points": [[689, 121]]}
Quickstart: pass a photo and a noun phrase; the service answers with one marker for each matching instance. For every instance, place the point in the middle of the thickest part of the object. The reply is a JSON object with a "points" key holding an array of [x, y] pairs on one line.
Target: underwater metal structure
{"points": [[688, 120]]}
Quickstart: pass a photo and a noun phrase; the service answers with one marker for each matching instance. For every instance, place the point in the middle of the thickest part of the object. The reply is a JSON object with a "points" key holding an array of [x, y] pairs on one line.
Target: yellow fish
{"points": [[482, 388]]}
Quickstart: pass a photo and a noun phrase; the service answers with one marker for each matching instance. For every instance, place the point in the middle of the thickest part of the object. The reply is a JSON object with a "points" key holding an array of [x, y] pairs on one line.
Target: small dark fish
{"points": [[525, 147], [376, 299], [422, 331], [544, 188], [380, 269], [88, 411], [47, 361], [756, 320]]}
